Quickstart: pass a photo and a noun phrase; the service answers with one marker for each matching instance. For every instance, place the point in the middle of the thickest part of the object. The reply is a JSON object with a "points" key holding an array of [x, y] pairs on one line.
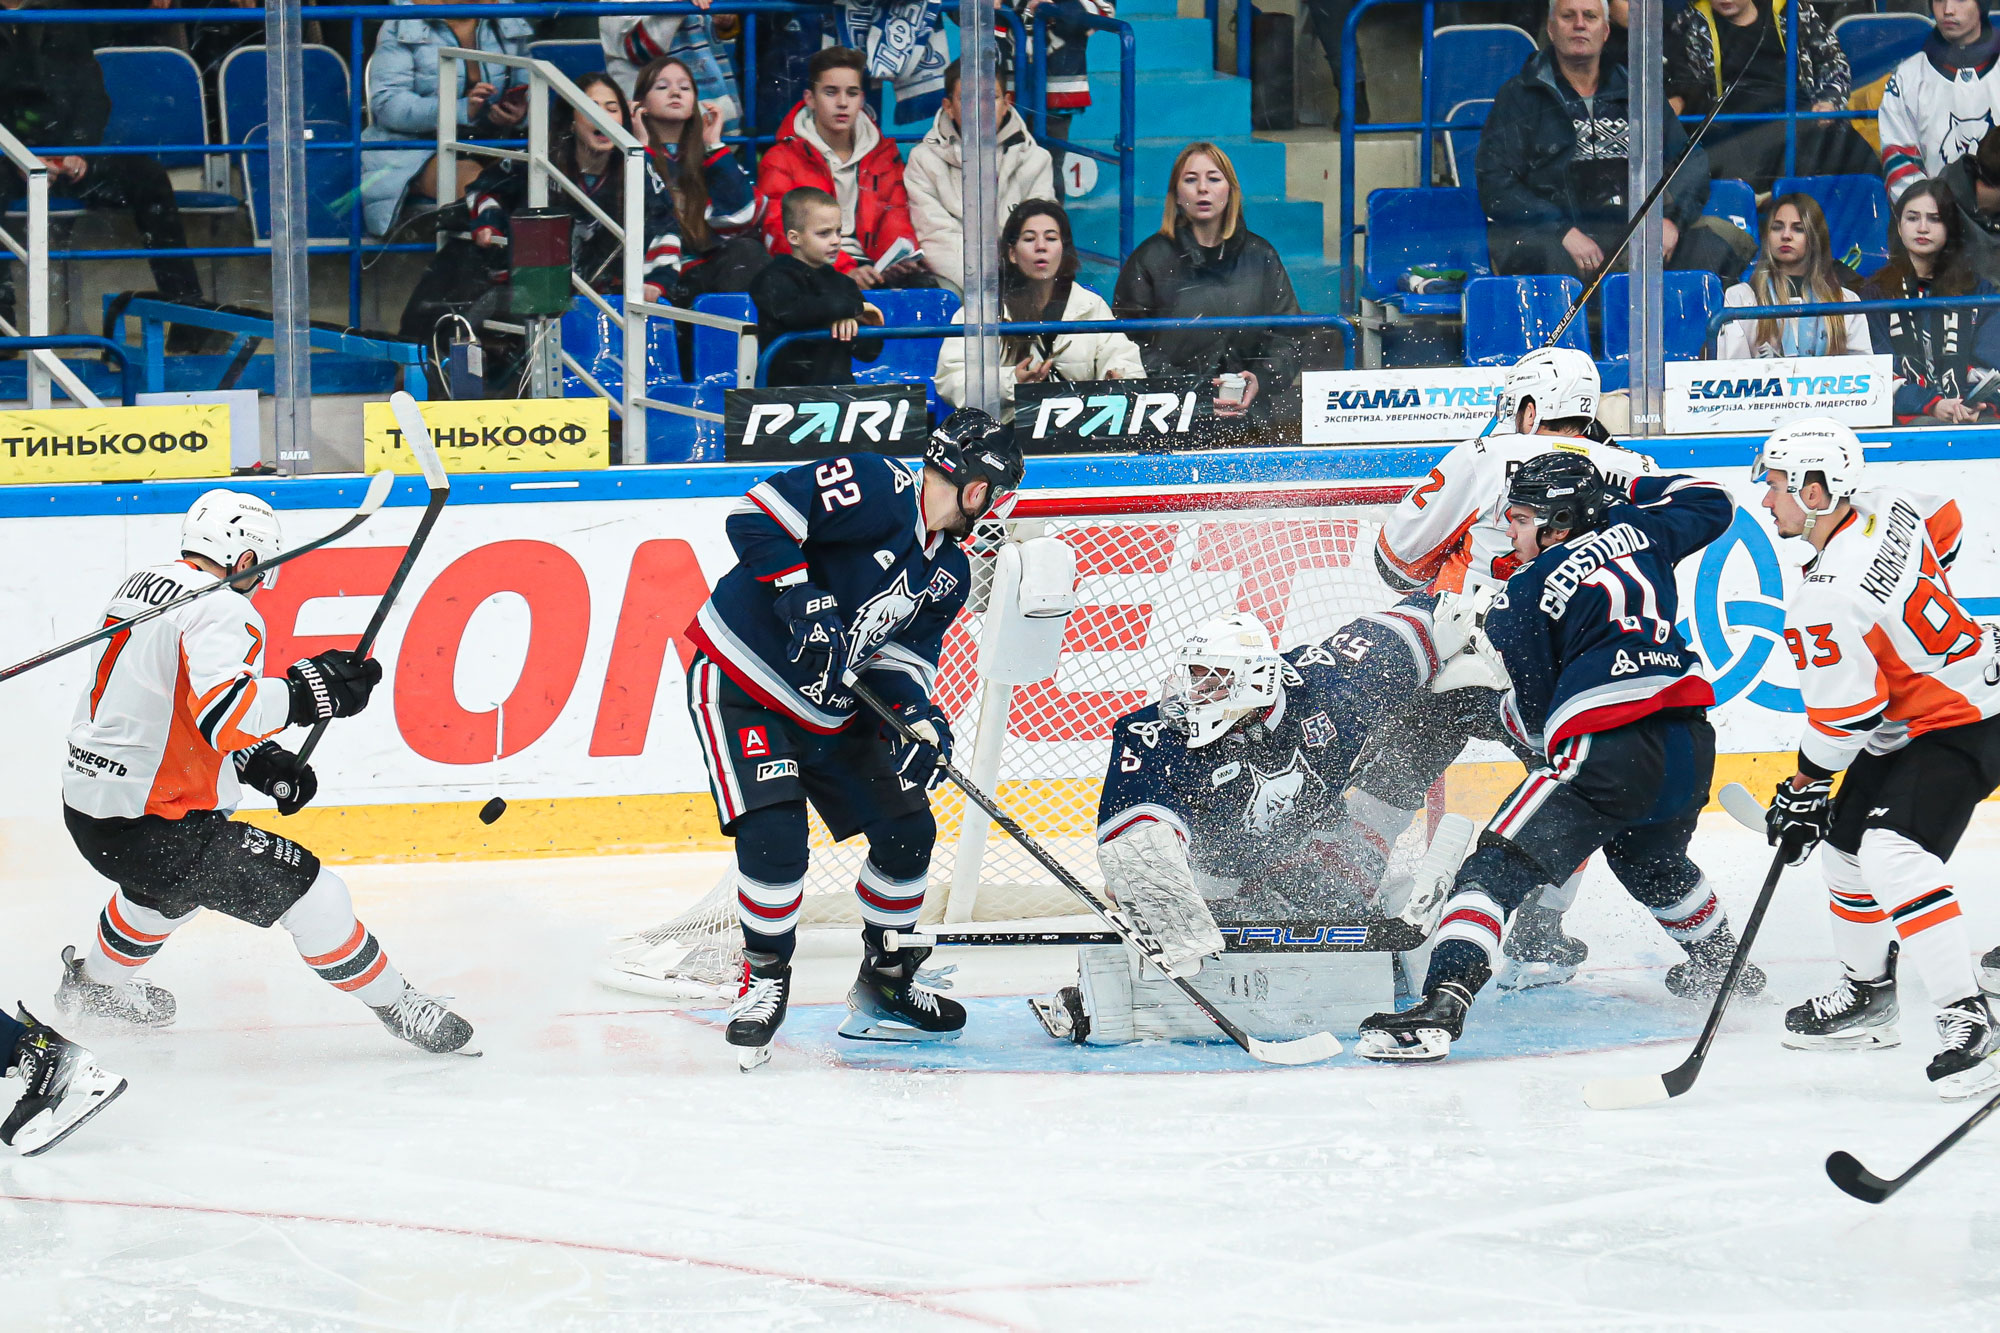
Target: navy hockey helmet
{"points": [[968, 446], [1564, 491]]}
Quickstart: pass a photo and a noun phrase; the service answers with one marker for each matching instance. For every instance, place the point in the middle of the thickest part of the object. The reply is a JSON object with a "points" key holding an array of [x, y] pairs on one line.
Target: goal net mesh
{"points": [[1150, 569]]}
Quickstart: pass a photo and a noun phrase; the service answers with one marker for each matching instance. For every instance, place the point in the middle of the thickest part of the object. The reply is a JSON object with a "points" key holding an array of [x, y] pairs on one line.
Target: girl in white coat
{"points": [[1038, 285], [1795, 266]]}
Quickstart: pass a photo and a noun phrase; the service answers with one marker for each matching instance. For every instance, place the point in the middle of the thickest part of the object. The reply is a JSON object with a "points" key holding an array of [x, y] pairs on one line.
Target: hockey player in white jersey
{"points": [[1450, 535], [64, 1084], [1902, 693], [176, 716]]}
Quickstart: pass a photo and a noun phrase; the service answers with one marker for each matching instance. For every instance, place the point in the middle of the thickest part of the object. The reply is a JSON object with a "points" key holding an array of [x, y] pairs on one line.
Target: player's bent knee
{"points": [[1505, 872], [323, 916], [901, 847], [772, 843], [1890, 860]]}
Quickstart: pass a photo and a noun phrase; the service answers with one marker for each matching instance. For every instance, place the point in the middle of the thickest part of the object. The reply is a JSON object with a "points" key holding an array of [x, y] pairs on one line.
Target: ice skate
{"points": [[1537, 951], [1964, 1068], [892, 1001], [135, 1001], [1856, 1015], [1061, 1015], [1989, 971], [1700, 977], [65, 1088], [1419, 1035], [426, 1022], [759, 1008]]}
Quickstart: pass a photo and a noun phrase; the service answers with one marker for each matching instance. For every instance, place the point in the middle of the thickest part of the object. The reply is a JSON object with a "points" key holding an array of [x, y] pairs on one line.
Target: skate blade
{"points": [[1868, 1039], [857, 1028], [1989, 979], [46, 1130], [752, 1057], [1054, 1017], [1517, 975], [1982, 1077], [1433, 1045]]}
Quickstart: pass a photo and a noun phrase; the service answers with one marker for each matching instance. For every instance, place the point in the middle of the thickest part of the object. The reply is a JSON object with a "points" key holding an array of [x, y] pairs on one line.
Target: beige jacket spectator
{"points": [[935, 180], [1083, 355]]}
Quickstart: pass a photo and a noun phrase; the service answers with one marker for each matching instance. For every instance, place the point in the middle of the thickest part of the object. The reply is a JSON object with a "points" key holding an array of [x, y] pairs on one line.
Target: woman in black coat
{"points": [[1204, 263]]}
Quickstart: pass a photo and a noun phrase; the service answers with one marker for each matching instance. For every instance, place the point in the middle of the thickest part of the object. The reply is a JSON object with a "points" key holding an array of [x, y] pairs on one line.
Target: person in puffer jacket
{"points": [[830, 143], [935, 179], [1941, 101]]}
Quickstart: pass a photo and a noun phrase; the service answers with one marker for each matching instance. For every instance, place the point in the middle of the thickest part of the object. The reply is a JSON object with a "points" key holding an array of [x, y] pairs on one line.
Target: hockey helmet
{"points": [[968, 446], [1561, 382], [1564, 490], [1814, 445], [1225, 671], [223, 524]]}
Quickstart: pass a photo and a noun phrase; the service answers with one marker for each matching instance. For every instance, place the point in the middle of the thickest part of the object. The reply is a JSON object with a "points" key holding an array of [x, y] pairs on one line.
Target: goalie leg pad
{"points": [[1271, 996]]}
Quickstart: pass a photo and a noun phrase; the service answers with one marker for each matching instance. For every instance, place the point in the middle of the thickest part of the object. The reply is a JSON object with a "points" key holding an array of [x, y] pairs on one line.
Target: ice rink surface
{"points": [[280, 1162]]}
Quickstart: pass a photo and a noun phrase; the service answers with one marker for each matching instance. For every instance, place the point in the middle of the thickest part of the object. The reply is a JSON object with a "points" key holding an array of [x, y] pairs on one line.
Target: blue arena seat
{"points": [[332, 193], [240, 85], [597, 343], [1691, 298], [1471, 61], [574, 58], [156, 98], [1461, 138], [1435, 228], [1733, 201], [913, 359], [1876, 43], [715, 349], [1506, 318], [1857, 216]]}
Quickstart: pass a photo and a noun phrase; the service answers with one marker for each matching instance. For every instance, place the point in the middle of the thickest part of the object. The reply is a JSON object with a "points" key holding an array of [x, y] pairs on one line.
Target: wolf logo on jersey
{"points": [[1275, 797]]}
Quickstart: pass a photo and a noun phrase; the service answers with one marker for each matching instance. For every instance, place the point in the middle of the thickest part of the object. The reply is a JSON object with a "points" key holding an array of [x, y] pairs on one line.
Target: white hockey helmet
{"points": [[1225, 671], [223, 524], [1813, 445], [1561, 382]]}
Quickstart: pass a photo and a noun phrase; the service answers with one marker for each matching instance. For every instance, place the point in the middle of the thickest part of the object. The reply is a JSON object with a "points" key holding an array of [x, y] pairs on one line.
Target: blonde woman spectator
{"points": [[1794, 267]]}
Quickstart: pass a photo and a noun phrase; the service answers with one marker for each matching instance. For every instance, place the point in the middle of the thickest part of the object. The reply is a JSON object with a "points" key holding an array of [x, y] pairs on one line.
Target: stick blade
{"points": [[1857, 1180], [410, 420], [1302, 1051], [1624, 1094], [378, 492], [1742, 807]]}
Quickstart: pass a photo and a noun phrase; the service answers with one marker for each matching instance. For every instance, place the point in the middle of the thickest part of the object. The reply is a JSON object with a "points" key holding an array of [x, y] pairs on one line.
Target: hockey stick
{"points": [[378, 491], [1865, 1185], [1619, 1094], [418, 437], [1304, 1051], [1300, 936]]}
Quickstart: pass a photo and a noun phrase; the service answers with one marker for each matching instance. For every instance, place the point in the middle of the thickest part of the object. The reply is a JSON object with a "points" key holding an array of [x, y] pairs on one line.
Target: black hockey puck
{"points": [[492, 810]]}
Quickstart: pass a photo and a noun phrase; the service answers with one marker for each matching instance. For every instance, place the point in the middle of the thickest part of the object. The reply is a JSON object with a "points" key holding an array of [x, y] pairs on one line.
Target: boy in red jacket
{"points": [[831, 143]]}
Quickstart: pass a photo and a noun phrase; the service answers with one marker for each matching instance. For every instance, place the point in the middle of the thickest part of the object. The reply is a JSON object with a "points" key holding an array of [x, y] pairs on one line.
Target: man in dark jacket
{"points": [[52, 98], [1552, 164], [1975, 187]]}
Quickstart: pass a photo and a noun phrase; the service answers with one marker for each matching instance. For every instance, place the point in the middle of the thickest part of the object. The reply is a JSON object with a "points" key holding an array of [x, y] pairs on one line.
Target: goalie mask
{"points": [[223, 524], [1227, 670]]}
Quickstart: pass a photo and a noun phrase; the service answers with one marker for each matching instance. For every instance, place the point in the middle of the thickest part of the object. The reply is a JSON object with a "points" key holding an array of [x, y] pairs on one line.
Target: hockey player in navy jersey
{"points": [[1606, 688], [850, 563]]}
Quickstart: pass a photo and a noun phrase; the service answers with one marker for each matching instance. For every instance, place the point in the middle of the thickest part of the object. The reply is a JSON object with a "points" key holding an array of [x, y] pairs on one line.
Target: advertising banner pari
{"points": [[1167, 412], [1398, 406], [797, 425], [537, 650], [1742, 397]]}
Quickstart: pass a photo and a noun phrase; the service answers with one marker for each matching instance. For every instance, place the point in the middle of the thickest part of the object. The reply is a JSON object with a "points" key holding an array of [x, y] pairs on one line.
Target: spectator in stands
{"points": [[830, 142], [1068, 85], [804, 289], [1038, 285], [715, 203], [1795, 267], [1552, 163], [1941, 100], [1944, 357], [1329, 22], [633, 43], [52, 98], [1974, 181], [1712, 44], [935, 179], [403, 101], [1204, 262]]}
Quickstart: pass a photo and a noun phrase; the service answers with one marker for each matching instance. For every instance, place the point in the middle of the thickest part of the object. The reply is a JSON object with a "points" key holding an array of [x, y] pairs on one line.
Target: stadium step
{"points": [[1184, 104], [1163, 43]]}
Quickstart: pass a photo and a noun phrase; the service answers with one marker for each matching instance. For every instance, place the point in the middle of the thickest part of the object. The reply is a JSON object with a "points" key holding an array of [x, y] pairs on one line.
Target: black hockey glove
{"points": [[920, 761], [279, 774], [818, 634], [334, 683], [1799, 817]]}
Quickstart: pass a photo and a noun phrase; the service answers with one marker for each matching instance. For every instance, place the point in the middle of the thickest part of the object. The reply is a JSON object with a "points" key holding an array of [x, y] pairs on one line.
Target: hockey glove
{"points": [[920, 761], [334, 683], [1799, 817], [813, 616], [279, 774]]}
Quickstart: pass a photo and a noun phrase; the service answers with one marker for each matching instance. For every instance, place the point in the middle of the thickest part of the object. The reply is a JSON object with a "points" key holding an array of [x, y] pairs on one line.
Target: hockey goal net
{"points": [[1150, 568]]}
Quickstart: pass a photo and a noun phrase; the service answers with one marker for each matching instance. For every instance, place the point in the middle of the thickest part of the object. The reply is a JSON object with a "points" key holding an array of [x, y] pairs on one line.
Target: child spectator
{"points": [[936, 179], [1795, 267], [803, 288], [1942, 356], [830, 142]]}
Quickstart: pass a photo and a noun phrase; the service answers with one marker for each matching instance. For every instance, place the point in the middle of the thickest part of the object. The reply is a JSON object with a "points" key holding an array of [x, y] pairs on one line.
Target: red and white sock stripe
{"points": [[768, 909], [705, 688], [890, 903], [1472, 915], [1695, 917]]}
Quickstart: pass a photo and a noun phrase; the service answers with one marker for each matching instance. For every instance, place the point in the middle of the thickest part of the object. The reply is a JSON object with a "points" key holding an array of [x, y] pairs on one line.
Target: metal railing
{"points": [[1827, 309], [34, 256], [128, 379], [1125, 148], [155, 314]]}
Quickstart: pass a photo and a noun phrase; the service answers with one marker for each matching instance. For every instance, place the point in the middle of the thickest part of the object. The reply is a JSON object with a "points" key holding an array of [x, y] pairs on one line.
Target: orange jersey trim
{"points": [[1923, 703], [189, 765], [1427, 565]]}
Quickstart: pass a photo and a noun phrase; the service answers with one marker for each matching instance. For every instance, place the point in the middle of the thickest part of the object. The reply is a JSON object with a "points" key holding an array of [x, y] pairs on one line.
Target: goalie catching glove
{"points": [[335, 683], [1146, 872], [921, 760], [279, 774]]}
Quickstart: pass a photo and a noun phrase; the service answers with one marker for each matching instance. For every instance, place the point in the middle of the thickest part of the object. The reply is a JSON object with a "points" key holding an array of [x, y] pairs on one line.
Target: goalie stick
{"points": [[378, 491], [1619, 1094], [1303, 1051], [1843, 1170], [418, 437]]}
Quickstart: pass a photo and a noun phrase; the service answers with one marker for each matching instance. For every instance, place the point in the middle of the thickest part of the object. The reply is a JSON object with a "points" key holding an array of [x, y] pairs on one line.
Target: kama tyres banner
{"points": [[1168, 412], [1444, 405], [1731, 397], [798, 425]]}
